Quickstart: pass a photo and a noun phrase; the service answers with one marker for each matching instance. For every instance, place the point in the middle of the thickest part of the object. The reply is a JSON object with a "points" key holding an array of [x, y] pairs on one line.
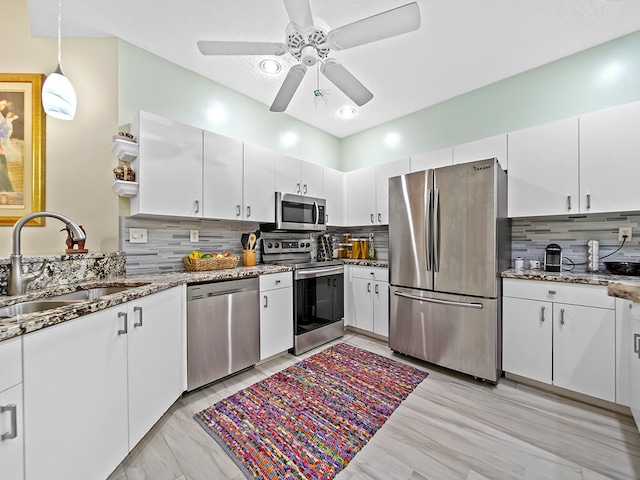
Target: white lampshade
{"points": [[58, 96]]}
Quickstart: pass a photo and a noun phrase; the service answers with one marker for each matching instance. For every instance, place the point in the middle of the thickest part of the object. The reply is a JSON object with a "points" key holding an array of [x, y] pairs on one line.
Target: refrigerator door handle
{"points": [[427, 231], [442, 302], [436, 231]]}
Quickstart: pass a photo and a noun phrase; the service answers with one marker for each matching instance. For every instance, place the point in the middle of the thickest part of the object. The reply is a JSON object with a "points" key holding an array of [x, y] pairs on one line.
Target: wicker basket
{"points": [[214, 263]]}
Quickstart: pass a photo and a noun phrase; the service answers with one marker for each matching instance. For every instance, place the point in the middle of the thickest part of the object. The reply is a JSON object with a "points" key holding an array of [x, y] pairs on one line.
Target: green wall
{"points": [[148, 82], [600, 77]]}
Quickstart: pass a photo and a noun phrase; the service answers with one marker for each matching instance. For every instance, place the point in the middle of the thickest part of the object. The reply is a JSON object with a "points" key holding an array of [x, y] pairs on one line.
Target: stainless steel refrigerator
{"points": [[449, 239]]}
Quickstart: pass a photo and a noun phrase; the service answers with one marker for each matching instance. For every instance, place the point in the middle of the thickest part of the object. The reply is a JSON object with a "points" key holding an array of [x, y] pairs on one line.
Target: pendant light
{"points": [[58, 96]]}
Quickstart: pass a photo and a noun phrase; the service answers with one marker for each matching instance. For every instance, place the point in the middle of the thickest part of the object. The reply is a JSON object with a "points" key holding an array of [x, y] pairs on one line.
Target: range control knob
{"points": [[301, 245], [269, 244], [307, 244], [277, 245]]}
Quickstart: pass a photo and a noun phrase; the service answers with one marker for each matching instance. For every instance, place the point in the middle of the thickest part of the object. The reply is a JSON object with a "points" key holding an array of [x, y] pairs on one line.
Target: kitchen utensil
{"points": [[258, 233], [252, 241], [623, 268], [244, 240], [553, 258]]}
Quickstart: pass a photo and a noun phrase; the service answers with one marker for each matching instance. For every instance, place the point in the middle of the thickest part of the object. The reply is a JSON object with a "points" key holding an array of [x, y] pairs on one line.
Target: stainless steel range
{"points": [[318, 289]]}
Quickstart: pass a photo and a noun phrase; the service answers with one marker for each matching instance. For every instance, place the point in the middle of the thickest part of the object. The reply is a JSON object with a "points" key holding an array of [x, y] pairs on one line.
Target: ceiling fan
{"points": [[310, 45]]}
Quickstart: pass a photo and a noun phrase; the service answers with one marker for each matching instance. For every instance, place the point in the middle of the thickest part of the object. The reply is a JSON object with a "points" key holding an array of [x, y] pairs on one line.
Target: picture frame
{"points": [[22, 147]]}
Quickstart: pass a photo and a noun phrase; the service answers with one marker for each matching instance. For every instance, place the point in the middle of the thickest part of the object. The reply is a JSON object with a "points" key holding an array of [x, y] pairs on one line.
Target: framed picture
{"points": [[22, 147]]}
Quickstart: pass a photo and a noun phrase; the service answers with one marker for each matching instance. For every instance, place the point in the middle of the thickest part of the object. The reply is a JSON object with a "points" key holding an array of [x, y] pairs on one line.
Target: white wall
{"points": [[78, 159]]}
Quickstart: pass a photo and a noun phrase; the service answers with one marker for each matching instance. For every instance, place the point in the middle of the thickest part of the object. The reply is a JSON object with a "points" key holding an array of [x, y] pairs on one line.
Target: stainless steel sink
{"points": [[33, 306], [92, 293]]}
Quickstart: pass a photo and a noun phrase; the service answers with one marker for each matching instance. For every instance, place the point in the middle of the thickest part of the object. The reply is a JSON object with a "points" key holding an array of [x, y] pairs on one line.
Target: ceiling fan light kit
{"points": [[311, 45]]}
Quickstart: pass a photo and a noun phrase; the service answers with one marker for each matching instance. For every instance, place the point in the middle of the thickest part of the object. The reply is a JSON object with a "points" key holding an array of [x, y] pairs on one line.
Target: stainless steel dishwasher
{"points": [[223, 329]]}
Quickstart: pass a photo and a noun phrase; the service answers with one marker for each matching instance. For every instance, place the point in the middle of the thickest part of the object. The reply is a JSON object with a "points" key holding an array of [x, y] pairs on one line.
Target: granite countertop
{"points": [[620, 286], [141, 285], [366, 263]]}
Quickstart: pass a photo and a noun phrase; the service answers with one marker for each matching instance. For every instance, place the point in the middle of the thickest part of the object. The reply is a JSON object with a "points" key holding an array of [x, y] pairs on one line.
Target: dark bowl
{"points": [[623, 268]]}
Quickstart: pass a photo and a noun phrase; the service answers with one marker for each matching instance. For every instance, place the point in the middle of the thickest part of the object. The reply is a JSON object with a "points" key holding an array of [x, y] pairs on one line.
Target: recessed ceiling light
{"points": [[348, 112], [270, 66]]}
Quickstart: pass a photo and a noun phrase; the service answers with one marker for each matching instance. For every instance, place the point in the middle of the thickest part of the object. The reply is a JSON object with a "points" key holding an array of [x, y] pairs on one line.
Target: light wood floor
{"points": [[450, 427]]}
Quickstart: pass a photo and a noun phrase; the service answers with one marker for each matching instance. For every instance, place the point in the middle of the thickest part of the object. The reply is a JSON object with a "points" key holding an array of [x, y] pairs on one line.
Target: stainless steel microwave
{"points": [[299, 212]]}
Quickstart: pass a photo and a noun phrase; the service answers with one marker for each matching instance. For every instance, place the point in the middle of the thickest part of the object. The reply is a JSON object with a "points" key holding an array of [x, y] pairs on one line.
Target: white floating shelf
{"points": [[124, 150], [125, 189]]}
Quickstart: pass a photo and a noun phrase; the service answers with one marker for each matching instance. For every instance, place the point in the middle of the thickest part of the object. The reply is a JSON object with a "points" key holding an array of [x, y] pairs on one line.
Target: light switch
{"points": [[137, 235]]}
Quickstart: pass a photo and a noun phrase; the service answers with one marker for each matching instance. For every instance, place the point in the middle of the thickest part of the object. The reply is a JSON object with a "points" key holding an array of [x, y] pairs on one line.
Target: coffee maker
{"points": [[553, 258]]}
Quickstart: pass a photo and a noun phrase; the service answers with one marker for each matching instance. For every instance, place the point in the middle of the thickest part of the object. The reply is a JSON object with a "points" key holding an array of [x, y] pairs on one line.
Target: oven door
{"points": [[298, 212], [319, 298]]}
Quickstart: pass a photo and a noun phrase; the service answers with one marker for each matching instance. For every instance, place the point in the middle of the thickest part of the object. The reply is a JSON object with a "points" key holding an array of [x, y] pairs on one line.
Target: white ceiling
{"points": [[462, 44]]}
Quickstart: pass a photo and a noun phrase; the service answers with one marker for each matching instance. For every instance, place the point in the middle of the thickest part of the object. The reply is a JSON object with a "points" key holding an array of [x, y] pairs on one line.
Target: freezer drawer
{"points": [[453, 331]]}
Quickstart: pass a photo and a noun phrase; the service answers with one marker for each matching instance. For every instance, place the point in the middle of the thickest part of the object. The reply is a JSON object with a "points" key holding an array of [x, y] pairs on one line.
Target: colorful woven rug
{"points": [[309, 420]]}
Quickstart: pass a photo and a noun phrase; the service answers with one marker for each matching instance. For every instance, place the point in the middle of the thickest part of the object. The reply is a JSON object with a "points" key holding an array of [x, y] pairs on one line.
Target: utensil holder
{"points": [[248, 258]]}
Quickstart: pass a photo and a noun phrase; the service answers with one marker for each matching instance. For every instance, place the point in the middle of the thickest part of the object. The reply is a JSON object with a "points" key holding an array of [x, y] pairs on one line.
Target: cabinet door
{"points": [[259, 184], [335, 195], [361, 196], [154, 358], [434, 159], [75, 398], [584, 350], [168, 168], [543, 170], [363, 304], [312, 179], [490, 147], [381, 308], [527, 338], [288, 173], [11, 424], [276, 321], [222, 177], [631, 346], [610, 159], [383, 173]]}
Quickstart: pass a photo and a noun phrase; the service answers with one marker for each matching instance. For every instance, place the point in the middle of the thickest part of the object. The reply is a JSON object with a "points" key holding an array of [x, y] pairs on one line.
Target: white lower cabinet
{"points": [[631, 344], [11, 410], [367, 299], [276, 313], [561, 334], [95, 385]]}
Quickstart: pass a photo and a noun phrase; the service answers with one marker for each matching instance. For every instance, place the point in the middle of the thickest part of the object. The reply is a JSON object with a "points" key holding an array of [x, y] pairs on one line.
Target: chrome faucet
{"points": [[18, 280]]}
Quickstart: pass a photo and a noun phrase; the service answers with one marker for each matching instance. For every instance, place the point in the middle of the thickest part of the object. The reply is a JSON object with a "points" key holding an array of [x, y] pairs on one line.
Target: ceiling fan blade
{"points": [[383, 25], [345, 81], [299, 12], [288, 88], [241, 48]]}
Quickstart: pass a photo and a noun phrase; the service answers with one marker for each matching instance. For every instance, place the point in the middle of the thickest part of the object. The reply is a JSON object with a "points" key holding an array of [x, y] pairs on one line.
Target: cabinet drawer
{"points": [[276, 280], [10, 363], [371, 273], [575, 294]]}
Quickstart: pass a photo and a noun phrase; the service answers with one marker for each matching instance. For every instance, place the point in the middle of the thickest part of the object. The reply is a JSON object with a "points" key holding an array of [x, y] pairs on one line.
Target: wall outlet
{"points": [[137, 235], [624, 231], [194, 236]]}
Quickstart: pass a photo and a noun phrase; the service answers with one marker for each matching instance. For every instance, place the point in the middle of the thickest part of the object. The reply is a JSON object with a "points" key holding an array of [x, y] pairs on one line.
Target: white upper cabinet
{"points": [[299, 177], [383, 173], [222, 177], [335, 195], [490, 147], [361, 196], [543, 170], [168, 167], [610, 159], [259, 184], [433, 159]]}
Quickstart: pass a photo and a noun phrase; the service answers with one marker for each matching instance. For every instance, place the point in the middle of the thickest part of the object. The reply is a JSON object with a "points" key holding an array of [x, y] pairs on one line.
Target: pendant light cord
{"points": [[60, 33]]}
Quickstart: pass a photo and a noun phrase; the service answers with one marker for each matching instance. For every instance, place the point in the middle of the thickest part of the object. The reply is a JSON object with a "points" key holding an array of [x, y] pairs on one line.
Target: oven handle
{"points": [[318, 272]]}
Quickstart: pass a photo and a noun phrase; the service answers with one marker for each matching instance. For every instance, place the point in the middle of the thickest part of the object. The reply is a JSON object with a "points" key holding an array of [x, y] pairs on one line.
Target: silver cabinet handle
{"points": [[636, 344], [552, 292], [266, 301], [297, 188], [13, 426], [568, 202], [588, 200], [377, 289], [125, 330], [278, 281], [238, 210], [197, 206], [326, 218], [562, 316], [542, 314], [379, 218], [372, 221], [139, 323], [248, 211], [305, 189], [369, 287]]}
